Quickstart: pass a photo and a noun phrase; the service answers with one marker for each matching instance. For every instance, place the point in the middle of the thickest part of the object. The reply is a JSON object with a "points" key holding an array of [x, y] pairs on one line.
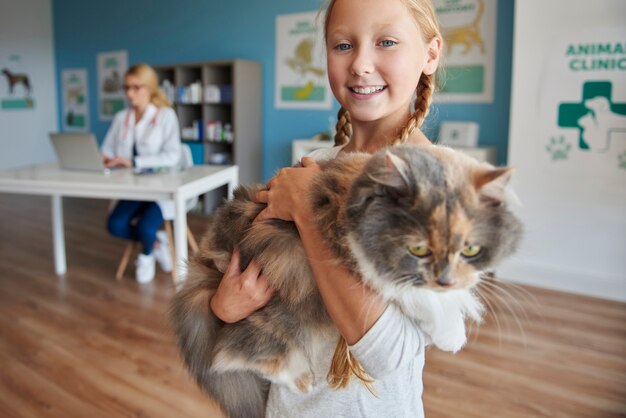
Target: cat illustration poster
{"points": [[16, 84], [111, 69], [75, 100], [469, 29], [301, 81]]}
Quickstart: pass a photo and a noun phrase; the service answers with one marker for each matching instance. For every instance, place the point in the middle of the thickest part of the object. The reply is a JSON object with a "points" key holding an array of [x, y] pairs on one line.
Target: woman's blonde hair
{"points": [[343, 364], [149, 79], [424, 14]]}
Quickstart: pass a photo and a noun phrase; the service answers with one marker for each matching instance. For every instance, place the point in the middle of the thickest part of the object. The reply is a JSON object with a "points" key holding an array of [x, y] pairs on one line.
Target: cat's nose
{"points": [[445, 279]]}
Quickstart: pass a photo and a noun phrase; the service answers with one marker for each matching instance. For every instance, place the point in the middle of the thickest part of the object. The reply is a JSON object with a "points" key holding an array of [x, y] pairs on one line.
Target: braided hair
{"points": [[423, 99], [424, 14], [343, 365]]}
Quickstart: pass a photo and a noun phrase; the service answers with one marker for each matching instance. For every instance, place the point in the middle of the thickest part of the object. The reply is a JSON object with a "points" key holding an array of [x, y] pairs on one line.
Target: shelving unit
{"points": [[233, 97]]}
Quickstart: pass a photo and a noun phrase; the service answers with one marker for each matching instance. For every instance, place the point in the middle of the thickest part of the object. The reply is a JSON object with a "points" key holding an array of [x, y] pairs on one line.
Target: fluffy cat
{"points": [[418, 224]]}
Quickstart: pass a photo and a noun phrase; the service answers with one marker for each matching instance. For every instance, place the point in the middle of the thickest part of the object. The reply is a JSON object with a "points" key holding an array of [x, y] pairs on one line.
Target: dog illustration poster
{"points": [[469, 29], [16, 86], [75, 100], [301, 81], [111, 69], [582, 110]]}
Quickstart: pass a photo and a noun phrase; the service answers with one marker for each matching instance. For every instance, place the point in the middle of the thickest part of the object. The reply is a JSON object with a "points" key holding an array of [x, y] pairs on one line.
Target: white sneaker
{"points": [[162, 252], [144, 268]]}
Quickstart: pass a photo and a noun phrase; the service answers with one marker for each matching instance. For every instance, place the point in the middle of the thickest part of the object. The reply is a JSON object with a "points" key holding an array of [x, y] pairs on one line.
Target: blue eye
{"points": [[387, 42], [343, 47]]}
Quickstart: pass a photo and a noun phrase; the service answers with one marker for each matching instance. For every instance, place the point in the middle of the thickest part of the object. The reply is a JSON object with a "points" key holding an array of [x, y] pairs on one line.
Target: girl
{"points": [[382, 56], [146, 135]]}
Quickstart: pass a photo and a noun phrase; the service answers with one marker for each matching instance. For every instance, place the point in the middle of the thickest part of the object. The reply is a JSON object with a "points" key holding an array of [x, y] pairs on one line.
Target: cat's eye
{"points": [[471, 251], [420, 250]]}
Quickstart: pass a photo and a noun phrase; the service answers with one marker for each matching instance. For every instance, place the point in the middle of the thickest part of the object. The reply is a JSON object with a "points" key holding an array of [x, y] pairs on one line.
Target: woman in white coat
{"points": [[144, 136]]}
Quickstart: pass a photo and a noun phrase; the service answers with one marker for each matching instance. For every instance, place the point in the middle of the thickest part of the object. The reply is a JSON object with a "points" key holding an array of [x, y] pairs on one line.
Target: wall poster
{"points": [[567, 142], [16, 89], [469, 30], [583, 106], [75, 100], [111, 69], [301, 81]]}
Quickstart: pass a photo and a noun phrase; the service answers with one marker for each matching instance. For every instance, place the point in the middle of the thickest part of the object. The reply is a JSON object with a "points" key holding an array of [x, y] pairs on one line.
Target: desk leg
{"points": [[58, 235], [180, 238]]}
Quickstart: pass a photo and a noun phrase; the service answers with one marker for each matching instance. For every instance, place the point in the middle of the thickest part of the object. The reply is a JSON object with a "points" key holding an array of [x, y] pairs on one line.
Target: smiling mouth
{"points": [[367, 90]]}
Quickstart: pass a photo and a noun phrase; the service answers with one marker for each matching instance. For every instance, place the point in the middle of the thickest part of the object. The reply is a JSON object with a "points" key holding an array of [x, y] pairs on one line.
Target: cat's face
{"points": [[429, 217]]}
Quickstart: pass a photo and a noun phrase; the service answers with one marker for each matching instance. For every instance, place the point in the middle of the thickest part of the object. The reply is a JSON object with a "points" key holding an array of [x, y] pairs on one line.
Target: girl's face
{"points": [[375, 55], [137, 93]]}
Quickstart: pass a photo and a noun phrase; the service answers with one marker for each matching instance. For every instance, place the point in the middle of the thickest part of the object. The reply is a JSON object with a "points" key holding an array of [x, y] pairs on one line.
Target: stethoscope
{"points": [[152, 122]]}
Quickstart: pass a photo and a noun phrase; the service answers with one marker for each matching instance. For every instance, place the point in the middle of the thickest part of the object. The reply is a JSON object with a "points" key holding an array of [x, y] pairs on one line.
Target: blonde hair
{"points": [[424, 14], [343, 364], [149, 78]]}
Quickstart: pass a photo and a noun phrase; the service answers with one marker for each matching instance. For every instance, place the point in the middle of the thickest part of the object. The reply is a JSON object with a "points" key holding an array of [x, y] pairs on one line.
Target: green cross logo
{"points": [[596, 116]]}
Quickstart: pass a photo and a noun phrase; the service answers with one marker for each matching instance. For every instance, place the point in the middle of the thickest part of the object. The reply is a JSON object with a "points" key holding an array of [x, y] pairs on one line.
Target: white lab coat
{"points": [[157, 137]]}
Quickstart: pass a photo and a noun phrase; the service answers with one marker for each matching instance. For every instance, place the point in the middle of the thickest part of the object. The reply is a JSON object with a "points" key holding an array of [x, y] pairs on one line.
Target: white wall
{"points": [[574, 199], [26, 31]]}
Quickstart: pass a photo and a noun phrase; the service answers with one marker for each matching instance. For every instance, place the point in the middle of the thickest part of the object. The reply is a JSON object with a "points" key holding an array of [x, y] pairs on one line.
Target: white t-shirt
{"points": [[391, 352]]}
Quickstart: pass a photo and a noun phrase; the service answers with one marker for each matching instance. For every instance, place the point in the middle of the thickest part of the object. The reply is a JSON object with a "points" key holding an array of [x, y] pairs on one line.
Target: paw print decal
{"points": [[622, 160], [558, 148]]}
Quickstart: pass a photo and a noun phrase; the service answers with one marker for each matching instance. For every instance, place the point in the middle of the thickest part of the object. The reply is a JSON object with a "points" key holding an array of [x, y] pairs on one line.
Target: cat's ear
{"points": [[491, 184], [394, 175]]}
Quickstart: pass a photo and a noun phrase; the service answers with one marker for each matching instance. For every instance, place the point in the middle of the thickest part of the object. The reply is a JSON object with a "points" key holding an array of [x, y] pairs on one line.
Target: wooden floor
{"points": [[85, 345]]}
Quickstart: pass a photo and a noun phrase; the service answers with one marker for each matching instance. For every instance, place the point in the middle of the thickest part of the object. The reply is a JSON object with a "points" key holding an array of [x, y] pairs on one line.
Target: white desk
{"points": [[49, 179]]}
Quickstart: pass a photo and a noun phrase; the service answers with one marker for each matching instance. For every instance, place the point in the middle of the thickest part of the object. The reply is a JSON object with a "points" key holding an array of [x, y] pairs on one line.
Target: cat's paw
{"points": [[451, 342], [304, 383], [449, 333], [296, 375]]}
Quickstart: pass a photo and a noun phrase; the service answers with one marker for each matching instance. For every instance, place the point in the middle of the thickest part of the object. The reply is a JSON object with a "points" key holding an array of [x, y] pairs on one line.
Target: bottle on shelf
{"points": [[193, 132], [169, 90], [191, 94], [218, 93], [227, 133], [214, 131]]}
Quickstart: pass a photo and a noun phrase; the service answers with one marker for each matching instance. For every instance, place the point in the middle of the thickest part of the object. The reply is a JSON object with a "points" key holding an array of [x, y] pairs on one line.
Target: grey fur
{"points": [[368, 209]]}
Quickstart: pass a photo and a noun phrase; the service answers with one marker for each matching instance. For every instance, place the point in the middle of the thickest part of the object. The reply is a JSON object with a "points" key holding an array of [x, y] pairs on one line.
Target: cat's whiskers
{"points": [[407, 280], [474, 331], [482, 293], [492, 289], [474, 327], [496, 286], [521, 291], [366, 309]]}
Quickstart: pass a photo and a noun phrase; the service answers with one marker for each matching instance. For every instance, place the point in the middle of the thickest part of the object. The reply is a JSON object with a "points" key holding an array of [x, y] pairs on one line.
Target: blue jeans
{"points": [[148, 218]]}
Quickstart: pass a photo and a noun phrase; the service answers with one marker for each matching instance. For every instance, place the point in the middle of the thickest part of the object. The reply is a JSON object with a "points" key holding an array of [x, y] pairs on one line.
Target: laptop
{"points": [[77, 151]]}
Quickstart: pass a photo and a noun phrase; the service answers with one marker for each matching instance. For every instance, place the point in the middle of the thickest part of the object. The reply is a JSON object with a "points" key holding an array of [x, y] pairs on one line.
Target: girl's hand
{"points": [[287, 193], [118, 162], [240, 293]]}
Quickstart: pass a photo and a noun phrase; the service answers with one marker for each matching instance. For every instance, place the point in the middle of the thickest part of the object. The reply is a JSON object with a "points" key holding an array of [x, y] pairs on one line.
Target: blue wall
{"points": [[177, 31]]}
